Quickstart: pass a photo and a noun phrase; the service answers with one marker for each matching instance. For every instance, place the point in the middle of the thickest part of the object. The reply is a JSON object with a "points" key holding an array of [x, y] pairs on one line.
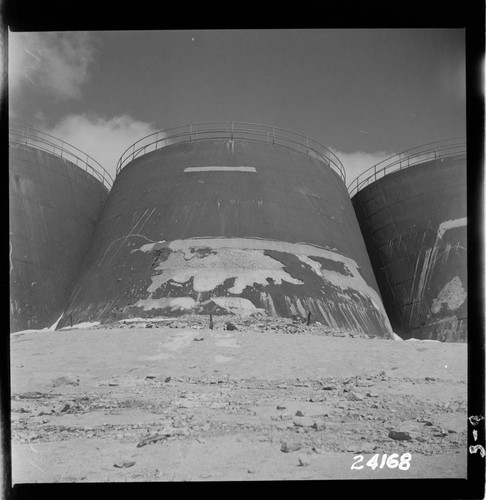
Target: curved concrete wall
{"points": [[415, 227], [54, 207], [229, 226]]}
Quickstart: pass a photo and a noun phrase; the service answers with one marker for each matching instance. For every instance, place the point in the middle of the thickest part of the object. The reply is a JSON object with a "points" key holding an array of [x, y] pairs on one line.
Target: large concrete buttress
{"points": [[414, 223], [229, 224], [54, 207]]}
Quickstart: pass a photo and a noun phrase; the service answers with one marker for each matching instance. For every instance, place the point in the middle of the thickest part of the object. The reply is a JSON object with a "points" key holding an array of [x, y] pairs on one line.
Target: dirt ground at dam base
{"points": [[169, 399]]}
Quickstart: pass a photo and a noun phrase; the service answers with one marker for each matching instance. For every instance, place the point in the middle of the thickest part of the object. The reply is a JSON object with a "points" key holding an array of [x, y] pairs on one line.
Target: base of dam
{"points": [[168, 399], [243, 276]]}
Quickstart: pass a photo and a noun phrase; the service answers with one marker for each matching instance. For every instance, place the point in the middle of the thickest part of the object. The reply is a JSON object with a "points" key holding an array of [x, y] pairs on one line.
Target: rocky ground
{"points": [[254, 398]]}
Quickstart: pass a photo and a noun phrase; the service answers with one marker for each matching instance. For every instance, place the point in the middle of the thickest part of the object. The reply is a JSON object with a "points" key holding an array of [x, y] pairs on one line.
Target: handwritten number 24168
{"points": [[390, 461]]}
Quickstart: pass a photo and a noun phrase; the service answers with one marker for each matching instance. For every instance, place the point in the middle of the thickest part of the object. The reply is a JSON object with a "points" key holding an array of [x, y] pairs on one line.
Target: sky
{"points": [[364, 93]]}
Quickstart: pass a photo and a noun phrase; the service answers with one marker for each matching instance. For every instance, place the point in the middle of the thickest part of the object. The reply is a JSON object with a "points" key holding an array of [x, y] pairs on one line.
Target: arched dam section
{"points": [[229, 218], [56, 194], [412, 212]]}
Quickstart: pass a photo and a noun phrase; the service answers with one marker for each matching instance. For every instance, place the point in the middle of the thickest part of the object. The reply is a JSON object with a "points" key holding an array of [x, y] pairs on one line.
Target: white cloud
{"points": [[356, 163], [56, 62], [104, 139]]}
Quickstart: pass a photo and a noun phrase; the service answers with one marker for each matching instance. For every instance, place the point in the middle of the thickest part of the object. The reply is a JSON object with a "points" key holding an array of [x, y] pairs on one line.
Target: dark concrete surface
{"points": [[53, 209], [286, 197], [415, 228]]}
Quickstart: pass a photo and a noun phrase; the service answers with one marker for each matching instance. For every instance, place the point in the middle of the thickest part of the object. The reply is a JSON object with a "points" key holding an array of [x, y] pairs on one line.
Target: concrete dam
{"points": [[56, 195], [242, 218], [413, 216]]}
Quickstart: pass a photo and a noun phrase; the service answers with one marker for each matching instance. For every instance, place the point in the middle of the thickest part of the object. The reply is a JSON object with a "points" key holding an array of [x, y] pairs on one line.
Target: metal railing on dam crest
{"points": [[420, 154], [20, 135], [231, 130]]}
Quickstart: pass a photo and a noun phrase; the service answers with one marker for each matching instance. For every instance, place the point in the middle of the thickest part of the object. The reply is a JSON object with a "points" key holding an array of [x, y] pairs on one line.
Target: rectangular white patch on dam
{"points": [[220, 169]]}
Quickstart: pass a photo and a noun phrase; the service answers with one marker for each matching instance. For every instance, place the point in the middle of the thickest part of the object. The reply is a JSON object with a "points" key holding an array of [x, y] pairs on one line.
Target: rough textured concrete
{"points": [[54, 207], [415, 227], [274, 230]]}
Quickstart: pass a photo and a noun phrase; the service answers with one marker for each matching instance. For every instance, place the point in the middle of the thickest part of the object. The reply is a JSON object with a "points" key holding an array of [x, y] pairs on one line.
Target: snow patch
{"points": [[237, 305], [222, 359], [450, 224], [452, 295], [246, 267], [86, 324], [165, 302], [422, 340], [224, 339], [181, 340], [54, 325], [138, 320], [21, 332], [313, 264], [149, 247], [354, 281], [243, 260]]}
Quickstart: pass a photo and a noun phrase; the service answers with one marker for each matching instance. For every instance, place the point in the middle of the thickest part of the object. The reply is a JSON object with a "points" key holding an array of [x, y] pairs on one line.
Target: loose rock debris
{"points": [[400, 436], [290, 447], [257, 322], [331, 427], [355, 396], [152, 440], [124, 464], [311, 414]]}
